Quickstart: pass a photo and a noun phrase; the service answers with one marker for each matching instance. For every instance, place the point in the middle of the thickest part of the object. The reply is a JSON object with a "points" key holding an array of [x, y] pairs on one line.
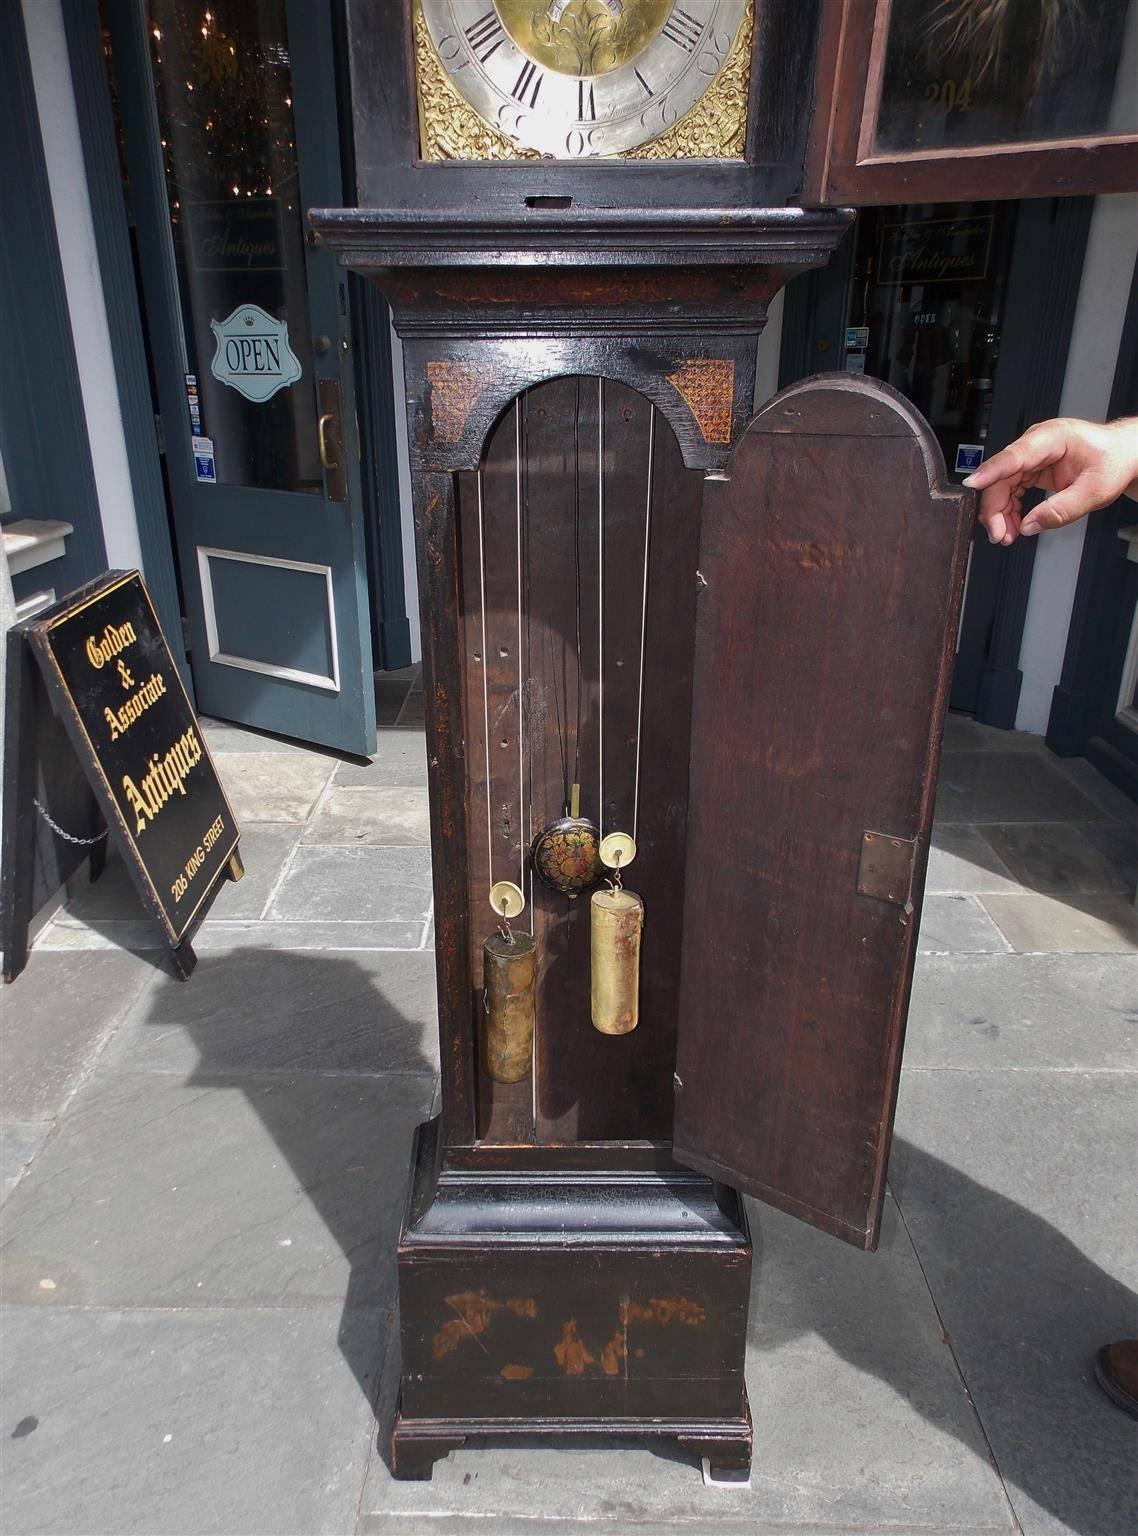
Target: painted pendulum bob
{"points": [[616, 924], [566, 853]]}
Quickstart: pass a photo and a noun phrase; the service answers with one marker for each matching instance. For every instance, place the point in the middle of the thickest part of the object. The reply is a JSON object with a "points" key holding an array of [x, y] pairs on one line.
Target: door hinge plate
{"points": [[886, 868]]}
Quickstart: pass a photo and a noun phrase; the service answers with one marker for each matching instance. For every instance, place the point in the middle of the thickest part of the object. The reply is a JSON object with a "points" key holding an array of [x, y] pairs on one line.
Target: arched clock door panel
{"points": [[578, 546], [831, 570]]}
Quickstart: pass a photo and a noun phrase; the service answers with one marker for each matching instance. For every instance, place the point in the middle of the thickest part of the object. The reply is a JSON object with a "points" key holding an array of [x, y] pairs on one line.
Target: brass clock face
{"points": [[582, 78]]}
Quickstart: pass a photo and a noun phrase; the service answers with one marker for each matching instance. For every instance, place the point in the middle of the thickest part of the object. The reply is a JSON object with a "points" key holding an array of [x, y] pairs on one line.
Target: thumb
{"points": [[1060, 509]]}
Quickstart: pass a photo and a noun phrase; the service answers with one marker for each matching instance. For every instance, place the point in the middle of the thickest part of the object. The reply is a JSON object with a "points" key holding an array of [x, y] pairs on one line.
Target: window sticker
{"points": [[204, 466]]}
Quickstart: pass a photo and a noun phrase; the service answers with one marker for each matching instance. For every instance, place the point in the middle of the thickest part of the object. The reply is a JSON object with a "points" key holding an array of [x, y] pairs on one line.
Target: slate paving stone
{"points": [[185, 1423], [963, 734], [958, 924], [240, 1189], [304, 936], [20, 1140], [145, 939], [400, 761], [1008, 786], [57, 1017], [265, 846], [286, 1012], [861, 1420], [224, 736], [270, 786], [137, 936], [1097, 788], [997, 1012], [1117, 842], [1070, 924], [413, 714], [962, 859], [381, 817], [379, 884], [1020, 1192], [1052, 857]]}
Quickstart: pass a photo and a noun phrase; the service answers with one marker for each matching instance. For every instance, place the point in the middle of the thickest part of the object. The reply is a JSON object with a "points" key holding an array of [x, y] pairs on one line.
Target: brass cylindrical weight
{"points": [[617, 921], [507, 976]]}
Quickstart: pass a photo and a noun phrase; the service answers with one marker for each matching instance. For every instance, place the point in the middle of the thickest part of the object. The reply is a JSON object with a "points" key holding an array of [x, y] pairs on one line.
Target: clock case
{"points": [[588, 1269], [575, 1257]]}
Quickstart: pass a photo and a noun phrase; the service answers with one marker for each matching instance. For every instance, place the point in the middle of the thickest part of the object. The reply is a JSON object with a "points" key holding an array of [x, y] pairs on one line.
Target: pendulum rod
{"points": [[601, 606], [485, 685], [564, 852], [522, 839]]}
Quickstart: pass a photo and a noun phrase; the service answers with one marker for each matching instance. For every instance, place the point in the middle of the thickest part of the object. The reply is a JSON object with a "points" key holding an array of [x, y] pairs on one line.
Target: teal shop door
{"points": [[229, 115]]}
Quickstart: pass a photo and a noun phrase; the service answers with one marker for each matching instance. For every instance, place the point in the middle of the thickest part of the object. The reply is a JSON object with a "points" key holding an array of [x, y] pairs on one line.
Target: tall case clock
{"points": [[686, 659]]}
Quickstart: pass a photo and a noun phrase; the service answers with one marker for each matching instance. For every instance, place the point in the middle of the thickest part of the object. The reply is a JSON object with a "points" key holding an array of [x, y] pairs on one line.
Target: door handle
{"points": [[326, 422], [330, 437]]}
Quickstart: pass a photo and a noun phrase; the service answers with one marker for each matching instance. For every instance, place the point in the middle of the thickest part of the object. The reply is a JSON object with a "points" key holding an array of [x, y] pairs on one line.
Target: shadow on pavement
{"points": [[1024, 1306]]}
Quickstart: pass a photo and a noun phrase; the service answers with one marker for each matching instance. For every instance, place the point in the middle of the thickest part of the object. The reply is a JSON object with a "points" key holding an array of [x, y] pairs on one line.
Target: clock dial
{"points": [[579, 78]]}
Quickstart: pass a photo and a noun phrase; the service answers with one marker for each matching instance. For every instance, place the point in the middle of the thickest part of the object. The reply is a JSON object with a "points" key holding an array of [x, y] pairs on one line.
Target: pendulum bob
{"points": [[617, 923], [565, 855], [508, 994]]}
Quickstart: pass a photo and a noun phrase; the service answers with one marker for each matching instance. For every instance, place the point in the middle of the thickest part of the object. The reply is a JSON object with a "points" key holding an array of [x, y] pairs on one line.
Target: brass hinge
{"points": [[886, 868]]}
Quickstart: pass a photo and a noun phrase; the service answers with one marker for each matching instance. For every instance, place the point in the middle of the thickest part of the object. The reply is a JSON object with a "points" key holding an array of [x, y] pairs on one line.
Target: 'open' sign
{"points": [[252, 354]]}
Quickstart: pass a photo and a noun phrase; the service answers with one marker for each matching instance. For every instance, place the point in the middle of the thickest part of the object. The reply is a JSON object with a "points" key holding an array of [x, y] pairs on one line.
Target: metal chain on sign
{"points": [[68, 837]]}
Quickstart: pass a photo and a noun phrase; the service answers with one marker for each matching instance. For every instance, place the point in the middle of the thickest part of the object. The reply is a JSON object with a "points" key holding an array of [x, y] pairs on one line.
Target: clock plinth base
{"points": [[417, 1444], [586, 1300]]}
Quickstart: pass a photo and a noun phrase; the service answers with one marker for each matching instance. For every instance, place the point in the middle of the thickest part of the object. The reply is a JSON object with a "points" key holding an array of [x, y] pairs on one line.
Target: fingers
{"points": [[1000, 514], [1022, 460], [1062, 508]]}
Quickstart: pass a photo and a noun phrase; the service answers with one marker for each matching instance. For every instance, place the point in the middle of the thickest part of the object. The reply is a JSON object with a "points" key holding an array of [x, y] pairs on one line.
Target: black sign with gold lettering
{"points": [[114, 684], [935, 250]]}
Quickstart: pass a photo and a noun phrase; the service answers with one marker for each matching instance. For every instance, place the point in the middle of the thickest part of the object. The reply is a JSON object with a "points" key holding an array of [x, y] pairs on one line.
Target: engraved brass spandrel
{"points": [[715, 128]]}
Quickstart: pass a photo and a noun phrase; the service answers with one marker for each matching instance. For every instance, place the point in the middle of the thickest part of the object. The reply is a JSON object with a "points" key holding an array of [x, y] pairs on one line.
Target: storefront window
{"points": [[224, 94], [926, 311], [964, 73]]}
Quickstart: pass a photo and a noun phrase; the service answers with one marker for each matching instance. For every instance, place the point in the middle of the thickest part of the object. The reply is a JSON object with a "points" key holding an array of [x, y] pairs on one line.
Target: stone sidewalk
{"points": [[202, 1189]]}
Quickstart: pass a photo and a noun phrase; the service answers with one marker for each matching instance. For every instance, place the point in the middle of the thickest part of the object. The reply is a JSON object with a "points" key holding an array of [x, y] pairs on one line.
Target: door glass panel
{"points": [[978, 72], [223, 85], [926, 312]]}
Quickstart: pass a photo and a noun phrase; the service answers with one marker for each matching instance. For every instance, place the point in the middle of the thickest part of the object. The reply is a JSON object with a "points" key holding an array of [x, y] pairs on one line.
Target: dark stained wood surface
{"points": [[833, 563]]}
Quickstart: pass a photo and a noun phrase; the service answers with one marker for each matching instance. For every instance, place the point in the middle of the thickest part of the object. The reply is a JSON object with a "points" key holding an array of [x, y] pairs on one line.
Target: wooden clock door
{"points": [[831, 569]]}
